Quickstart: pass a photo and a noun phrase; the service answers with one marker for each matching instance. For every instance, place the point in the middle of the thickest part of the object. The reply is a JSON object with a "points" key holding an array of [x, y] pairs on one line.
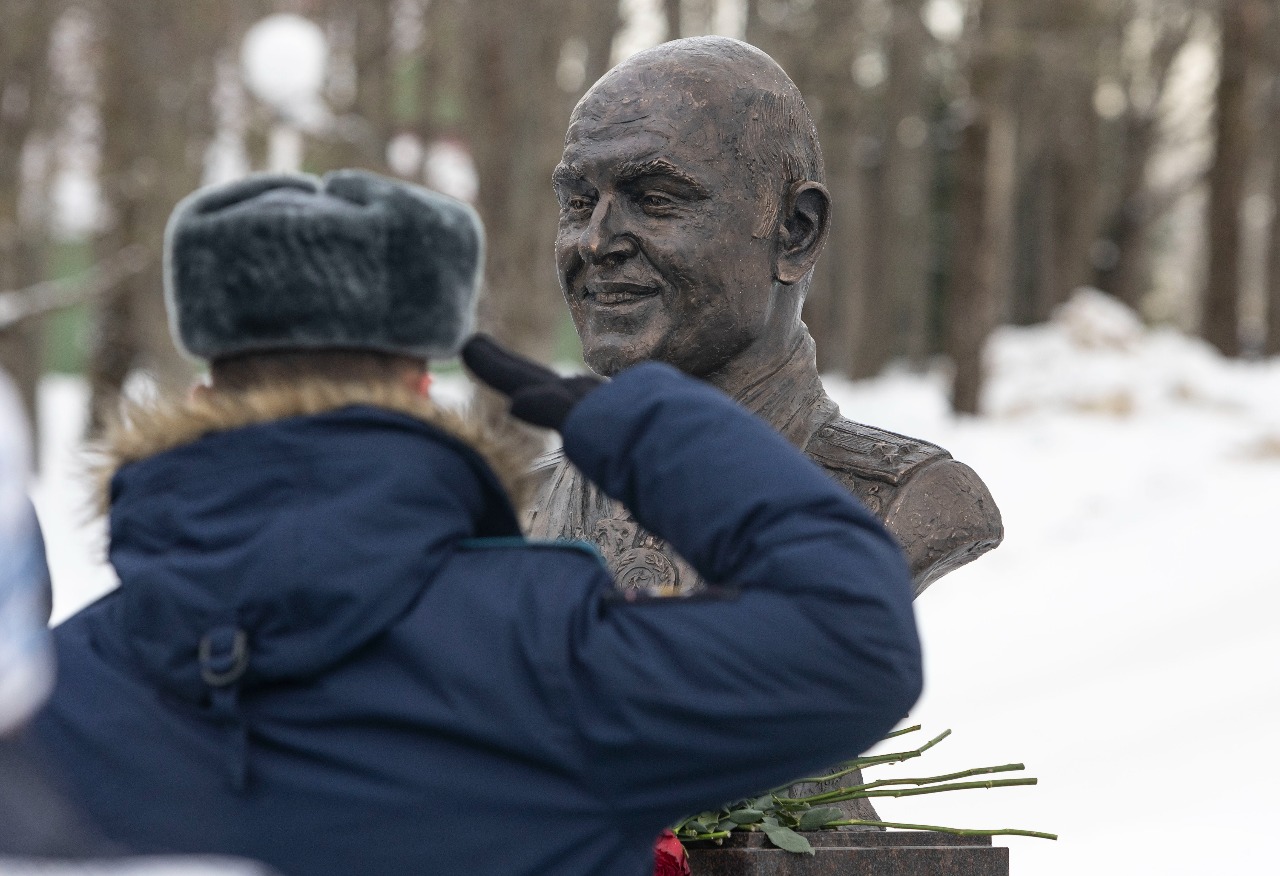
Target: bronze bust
{"points": [[692, 212]]}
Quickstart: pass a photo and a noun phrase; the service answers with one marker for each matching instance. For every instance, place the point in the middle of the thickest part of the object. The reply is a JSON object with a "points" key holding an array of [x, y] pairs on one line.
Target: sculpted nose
{"points": [[602, 240]]}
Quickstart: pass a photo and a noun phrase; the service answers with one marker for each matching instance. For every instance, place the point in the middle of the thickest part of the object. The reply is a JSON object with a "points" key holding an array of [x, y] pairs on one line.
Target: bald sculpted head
{"points": [[692, 210], [756, 112]]}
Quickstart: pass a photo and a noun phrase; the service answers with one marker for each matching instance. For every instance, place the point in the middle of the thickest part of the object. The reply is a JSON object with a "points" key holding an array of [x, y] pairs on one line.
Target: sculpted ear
{"points": [[806, 221]]}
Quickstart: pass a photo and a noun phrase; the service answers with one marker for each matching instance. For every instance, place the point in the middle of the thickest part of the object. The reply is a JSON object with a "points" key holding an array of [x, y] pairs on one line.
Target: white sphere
{"points": [[944, 18], [448, 169], [284, 58]]}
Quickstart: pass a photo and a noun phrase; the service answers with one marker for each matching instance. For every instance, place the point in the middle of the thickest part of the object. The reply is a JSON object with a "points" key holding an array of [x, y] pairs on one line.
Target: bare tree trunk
{"points": [[1074, 150], [1025, 77], [1128, 228], [367, 126], [968, 295], [869, 301], [671, 9], [696, 16], [439, 110], [156, 77], [1075, 220], [1220, 320], [908, 172], [836, 308], [517, 116], [1271, 343], [840, 287], [983, 210], [490, 80], [1271, 346], [817, 49], [25, 107], [1059, 179], [598, 21]]}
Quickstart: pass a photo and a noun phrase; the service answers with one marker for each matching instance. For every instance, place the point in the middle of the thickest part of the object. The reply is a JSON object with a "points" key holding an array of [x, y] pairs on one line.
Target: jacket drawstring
{"points": [[224, 657]]}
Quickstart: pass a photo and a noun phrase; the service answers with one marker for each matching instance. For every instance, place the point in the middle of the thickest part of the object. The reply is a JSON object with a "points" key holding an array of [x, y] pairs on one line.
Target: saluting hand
{"points": [[538, 395]]}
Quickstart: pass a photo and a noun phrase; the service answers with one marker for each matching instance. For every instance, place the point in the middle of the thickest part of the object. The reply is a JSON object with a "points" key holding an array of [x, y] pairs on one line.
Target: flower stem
{"points": [[843, 794], [977, 771], [957, 831], [860, 762]]}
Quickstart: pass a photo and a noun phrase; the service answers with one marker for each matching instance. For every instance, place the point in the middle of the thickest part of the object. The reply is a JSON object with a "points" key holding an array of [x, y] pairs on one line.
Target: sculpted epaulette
{"points": [[870, 452], [938, 508]]}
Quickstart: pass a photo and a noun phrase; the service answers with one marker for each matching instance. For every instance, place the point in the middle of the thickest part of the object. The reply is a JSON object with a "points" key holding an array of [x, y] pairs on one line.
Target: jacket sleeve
{"points": [[806, 656]]}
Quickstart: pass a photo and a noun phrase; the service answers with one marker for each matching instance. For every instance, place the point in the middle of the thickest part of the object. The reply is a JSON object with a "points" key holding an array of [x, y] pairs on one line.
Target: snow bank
{"points": [[1096, 357], [1121, 642]]}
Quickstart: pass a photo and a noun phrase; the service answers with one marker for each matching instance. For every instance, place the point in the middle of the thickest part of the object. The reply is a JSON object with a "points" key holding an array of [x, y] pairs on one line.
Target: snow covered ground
{"points": [[1124, 641]]}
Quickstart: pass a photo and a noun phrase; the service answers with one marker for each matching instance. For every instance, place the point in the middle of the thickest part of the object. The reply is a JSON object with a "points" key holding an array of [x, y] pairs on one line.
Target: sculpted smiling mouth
{"points": [[615, 292]]}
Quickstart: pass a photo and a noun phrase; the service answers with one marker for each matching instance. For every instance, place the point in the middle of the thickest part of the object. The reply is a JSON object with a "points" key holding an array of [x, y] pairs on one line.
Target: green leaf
{"points": [[726, 824], [788, 840], [696, 826], [764, 804], [815, 818], [746, 816], [788, 819]]}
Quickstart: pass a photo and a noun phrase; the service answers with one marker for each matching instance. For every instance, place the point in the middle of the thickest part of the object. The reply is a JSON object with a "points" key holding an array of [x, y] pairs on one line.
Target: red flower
{"points": [[669, 858]]}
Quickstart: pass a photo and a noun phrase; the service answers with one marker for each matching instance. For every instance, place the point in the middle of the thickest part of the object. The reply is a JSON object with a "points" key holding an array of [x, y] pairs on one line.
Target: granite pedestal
{"points": [[854, 853]]}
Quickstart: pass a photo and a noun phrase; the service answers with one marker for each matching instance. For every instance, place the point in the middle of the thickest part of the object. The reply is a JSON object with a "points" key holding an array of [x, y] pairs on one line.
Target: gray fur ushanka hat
{"points": [[352, 260]]}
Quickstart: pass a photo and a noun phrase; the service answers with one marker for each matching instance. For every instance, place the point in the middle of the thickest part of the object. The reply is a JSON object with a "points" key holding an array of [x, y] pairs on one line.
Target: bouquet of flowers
{"points": [[782, 818]]}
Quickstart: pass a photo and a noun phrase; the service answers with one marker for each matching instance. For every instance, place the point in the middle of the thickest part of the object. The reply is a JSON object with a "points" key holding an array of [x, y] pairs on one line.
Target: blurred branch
{"points": [[19, 305]]}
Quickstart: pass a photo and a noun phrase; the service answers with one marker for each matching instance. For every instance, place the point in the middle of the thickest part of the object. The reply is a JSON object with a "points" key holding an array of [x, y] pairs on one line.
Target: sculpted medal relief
{"points": [[639, 560]]}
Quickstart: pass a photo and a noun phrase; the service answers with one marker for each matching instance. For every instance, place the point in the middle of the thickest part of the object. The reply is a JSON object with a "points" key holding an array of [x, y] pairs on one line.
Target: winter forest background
{"points": [[985, 159], [1058, 215]]}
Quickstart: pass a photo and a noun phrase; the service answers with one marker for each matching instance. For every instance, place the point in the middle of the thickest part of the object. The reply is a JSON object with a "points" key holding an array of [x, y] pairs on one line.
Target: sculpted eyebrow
{"points": [[564, 175], [634, 170]]}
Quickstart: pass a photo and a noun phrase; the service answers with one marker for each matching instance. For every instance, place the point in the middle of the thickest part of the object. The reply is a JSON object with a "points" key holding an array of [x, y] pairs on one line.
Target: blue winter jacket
{"points": [[332, 651]]}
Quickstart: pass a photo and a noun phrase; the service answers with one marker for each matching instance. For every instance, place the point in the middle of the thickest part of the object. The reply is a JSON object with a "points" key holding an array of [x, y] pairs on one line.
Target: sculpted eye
{"points": [[655, 202], [578, 203]]}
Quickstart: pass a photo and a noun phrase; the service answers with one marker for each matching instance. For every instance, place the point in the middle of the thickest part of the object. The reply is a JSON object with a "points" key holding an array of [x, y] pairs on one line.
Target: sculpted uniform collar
{"points": [[790, 397]]}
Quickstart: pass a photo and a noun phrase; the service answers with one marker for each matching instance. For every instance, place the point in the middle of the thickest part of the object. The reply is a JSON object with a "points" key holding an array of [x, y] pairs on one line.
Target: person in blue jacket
{"points": [[41, 832], [332, 650]]}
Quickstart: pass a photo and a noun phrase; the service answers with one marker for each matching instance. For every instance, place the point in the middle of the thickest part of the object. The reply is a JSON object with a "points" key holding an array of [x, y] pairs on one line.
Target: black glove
{"points": [[538, 395]]}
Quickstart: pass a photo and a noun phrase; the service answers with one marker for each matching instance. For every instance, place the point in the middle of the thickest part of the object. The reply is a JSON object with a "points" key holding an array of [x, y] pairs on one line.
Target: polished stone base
{"points": [[854, 853]]}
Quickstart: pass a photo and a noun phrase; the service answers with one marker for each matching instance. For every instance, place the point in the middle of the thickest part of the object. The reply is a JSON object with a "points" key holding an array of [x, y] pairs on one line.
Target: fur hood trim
{"points": [[145, 429]]}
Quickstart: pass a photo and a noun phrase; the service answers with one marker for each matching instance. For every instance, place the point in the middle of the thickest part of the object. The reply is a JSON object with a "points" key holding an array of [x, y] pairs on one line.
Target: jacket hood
{"points": [[268, 535]]}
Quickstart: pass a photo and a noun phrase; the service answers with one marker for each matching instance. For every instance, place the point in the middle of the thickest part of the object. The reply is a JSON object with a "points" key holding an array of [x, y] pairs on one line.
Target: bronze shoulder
{"points": [[945, 517], [938, 508]]}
